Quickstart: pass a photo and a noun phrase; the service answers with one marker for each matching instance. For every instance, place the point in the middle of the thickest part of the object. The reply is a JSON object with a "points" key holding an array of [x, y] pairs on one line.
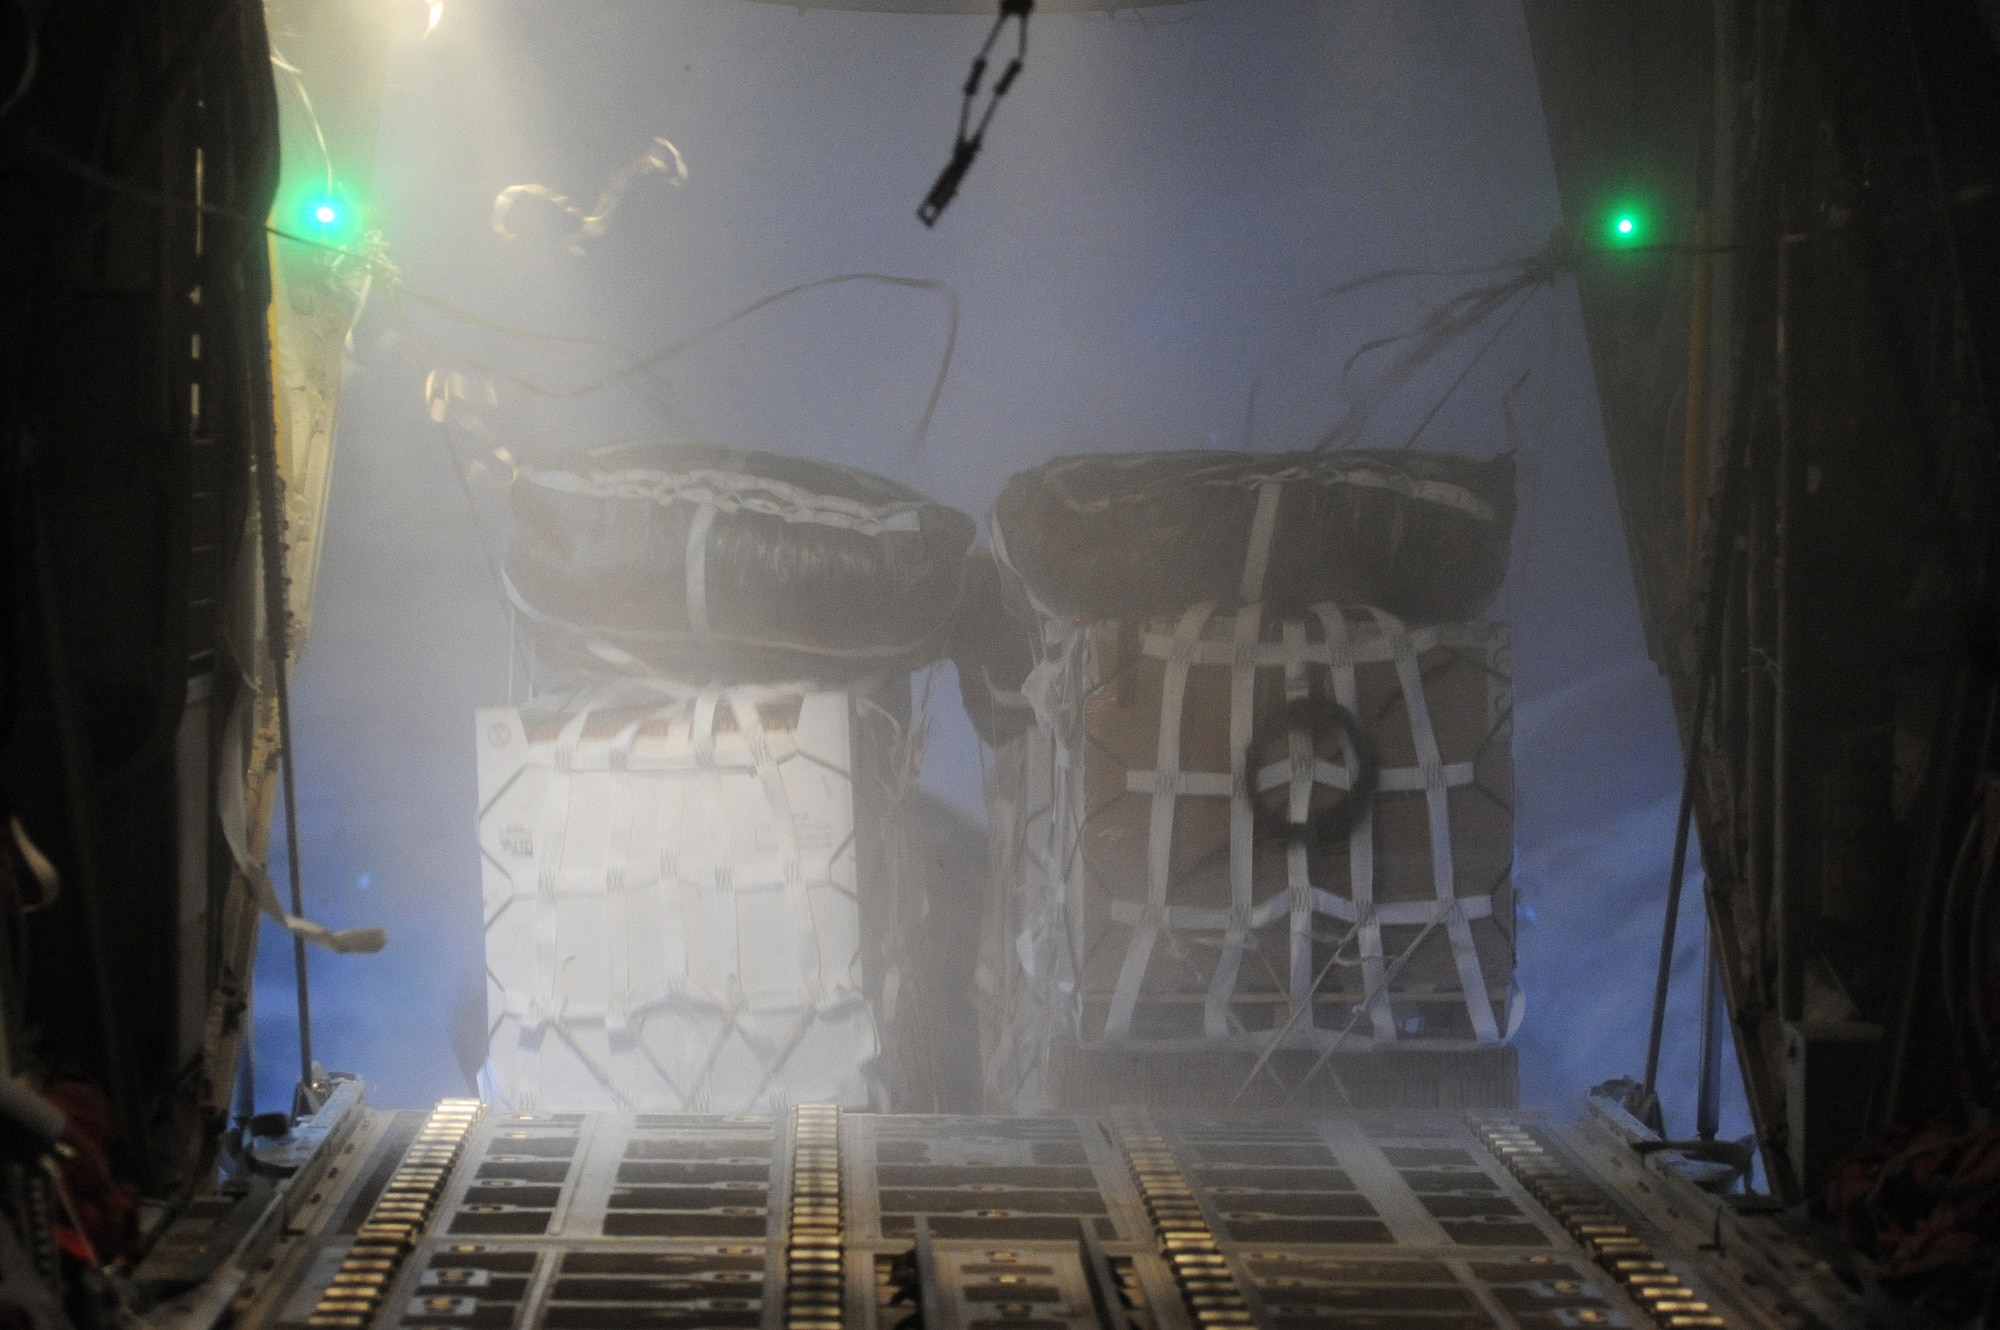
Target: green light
{"points": [[1624, 223], [319, 213]]}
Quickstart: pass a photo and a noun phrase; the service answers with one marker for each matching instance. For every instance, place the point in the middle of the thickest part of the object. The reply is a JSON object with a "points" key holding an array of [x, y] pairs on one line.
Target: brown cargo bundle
{"points": [[1228, 889], [1273, 842], [1252, 833]]}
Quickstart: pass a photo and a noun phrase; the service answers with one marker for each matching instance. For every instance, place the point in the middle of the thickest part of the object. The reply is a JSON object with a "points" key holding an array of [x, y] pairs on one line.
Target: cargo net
{"points": [[672, 907], [1227, 834]]}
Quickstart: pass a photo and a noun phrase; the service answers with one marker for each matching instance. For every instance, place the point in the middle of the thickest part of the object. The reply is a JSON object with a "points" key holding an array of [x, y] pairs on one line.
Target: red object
{"points": [[105, 1214], [1924, 1204]]}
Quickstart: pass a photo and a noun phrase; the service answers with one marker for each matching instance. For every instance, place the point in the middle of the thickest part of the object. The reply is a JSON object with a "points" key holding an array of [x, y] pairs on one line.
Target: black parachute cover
{"points": [[706, 562], [1422, 535]]}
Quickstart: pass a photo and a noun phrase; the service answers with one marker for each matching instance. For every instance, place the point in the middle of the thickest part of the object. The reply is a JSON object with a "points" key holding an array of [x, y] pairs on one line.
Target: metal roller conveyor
{"points": [[831, 1220]]}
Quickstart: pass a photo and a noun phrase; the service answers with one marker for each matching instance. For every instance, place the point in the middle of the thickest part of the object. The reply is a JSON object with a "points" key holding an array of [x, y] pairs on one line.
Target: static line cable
{"points": [[277, 636], [1677, 874], [1438, 330], [965, 148], [1499, 331]]}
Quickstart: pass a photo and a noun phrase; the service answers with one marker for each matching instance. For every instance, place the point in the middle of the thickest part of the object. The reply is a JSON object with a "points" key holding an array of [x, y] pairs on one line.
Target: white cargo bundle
{"points": [[673, 914]]}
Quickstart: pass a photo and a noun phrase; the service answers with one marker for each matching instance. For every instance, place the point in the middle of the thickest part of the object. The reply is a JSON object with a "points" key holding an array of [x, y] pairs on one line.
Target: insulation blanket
{"points": [[672, 914], [1198, 854]]}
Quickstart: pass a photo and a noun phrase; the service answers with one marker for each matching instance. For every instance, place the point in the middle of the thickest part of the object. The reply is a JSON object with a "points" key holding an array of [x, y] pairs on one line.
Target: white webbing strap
{"points": [[1429, 491], [1400, 914], [1437, 802], [1207, 919], [702, 737], [1298, 808], [525, 1090], [618, 1029], [1361, 840], [781, 1052], [1066, 925], [544, 1007], [733, 492], [701, 740], [1048, 866], [798, 902], [1242, 818], [1242, 727], [1257, 556], [732, 1011], [695, 569], [1160, 828]]}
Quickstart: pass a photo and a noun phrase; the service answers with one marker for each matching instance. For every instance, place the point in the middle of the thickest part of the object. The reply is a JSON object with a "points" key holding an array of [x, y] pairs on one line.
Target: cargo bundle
{"points": [[1262, 824], [699, 886]]}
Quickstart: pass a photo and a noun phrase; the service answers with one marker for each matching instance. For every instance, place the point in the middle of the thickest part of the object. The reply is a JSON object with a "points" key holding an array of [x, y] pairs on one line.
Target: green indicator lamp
{"points": [[1625, 227], [322, 214]]}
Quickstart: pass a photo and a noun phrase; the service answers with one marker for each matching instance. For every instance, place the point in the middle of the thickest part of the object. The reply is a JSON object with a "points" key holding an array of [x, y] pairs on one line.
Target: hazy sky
{"points": [[1162, 202]]}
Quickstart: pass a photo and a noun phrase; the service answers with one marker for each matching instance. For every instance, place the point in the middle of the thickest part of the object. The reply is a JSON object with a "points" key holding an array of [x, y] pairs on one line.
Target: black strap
{"points": [[965, 148]]}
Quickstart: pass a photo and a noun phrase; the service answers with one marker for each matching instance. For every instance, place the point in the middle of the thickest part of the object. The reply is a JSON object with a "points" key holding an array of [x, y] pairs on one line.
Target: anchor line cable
{"points": [[965, 146]]}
